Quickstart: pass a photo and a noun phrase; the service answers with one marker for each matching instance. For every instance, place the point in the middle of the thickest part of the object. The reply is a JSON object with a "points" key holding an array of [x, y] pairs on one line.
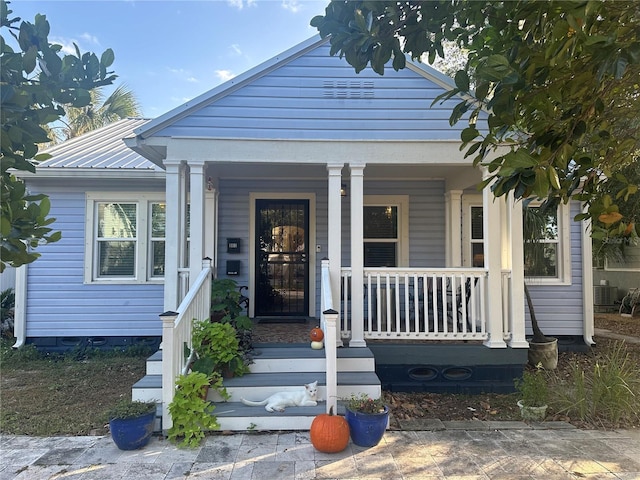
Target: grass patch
{"points": [[45, 395]]}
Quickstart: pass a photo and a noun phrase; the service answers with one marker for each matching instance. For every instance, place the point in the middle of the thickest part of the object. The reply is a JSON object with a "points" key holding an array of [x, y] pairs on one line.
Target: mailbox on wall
{"points": [[233, 267], [233, 245]]}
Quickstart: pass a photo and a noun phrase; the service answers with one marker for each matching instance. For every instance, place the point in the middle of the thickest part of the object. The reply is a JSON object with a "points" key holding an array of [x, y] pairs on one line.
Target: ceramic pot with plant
{"points": [[219, 342], [131, 423], [368, 419], [534, 394]]}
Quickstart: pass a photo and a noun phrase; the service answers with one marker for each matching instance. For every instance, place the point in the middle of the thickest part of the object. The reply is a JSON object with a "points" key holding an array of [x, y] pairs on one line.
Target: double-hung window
{"points": [[385, 231], [125, 238], [546, 252]]}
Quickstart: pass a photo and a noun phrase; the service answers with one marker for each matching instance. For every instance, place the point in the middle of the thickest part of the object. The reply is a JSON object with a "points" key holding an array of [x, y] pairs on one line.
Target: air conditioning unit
{"points": [[604, 295]]}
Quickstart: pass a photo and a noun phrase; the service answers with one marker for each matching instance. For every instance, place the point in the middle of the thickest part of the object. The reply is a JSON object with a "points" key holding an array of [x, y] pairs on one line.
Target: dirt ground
{"points": [[407, 407], [410, 406]]}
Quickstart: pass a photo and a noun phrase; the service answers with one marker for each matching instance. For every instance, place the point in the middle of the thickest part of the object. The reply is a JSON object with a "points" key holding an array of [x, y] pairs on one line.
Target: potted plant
{"points": [[131, 423], [534, 393], [367, 418], [191, 413], [219, 342], [542, 349], [227, 304]]}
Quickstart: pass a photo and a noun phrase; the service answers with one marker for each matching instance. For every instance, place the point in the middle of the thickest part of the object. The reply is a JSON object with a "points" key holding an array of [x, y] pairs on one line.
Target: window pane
{"points": [[157, 267], [116, 259], [477, 232], [158, 220], [117, 220], [540, 260], [380, 222], [477, 252], [379, 254]]}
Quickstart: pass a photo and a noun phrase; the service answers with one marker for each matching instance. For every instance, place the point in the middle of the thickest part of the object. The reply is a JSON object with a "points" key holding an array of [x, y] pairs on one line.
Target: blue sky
{"points": [[168, 52]]}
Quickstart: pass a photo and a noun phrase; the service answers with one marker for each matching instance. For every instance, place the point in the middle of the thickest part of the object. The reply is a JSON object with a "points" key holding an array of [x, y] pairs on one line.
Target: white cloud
{"points": [[87, 37], [291, 5], [240, 4], [224, 75], [67, 44], [236, 48], [182, 74]]}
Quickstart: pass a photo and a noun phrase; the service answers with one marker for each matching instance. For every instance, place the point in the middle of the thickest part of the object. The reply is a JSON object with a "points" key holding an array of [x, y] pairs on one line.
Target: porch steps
{"points": [[277, 368]]}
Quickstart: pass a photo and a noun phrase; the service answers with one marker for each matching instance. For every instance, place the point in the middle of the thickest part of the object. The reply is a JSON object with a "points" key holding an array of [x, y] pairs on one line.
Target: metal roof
{"points": [[103, 148]]}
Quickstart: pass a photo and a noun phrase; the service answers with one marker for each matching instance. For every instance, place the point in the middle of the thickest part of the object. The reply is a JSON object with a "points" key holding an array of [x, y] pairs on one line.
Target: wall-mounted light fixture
{"points": [[343, 190]]}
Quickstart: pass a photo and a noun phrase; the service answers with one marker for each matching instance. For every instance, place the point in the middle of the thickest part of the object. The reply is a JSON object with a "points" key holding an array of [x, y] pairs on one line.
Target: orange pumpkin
{"points": [[317, 335], [329, 432]]}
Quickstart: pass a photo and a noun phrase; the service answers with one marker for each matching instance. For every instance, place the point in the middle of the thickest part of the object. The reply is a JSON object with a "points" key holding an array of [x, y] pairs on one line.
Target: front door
{"points": [[282, 257]]}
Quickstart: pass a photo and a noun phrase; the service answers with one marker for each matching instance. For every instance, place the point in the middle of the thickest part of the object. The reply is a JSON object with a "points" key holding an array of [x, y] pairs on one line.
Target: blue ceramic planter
{"points": [[132, 433], [367, 429]]}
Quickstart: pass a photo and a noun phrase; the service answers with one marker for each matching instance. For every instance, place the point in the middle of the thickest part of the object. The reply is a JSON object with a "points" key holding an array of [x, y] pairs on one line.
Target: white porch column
{"points": [[334, 241], [453, 229], [174, 191], [357, 255], [515, 262], [196, 234], [210, 223], [492, 226]]}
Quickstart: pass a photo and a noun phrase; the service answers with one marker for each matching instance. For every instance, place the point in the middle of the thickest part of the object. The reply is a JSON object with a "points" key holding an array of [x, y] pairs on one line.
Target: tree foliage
{"points": [[122, 103], [37, 82], [559, 80]]}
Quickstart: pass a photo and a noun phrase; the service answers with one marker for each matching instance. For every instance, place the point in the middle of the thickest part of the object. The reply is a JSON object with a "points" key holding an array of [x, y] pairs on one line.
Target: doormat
{"points": [[283, 320]]}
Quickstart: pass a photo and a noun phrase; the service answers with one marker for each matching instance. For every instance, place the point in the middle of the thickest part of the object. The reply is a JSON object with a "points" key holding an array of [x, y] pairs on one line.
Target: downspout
{"points": [[587, 283], [20, 310]]}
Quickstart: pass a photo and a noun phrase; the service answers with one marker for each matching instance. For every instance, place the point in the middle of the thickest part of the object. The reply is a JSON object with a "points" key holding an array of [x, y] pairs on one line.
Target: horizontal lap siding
{"points": [[59, 304], [317, 96], [559, 308], [426, 217]]}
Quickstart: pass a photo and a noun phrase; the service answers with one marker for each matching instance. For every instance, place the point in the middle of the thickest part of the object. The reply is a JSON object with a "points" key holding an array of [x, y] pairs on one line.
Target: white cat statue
{"points": [[308, 397]]}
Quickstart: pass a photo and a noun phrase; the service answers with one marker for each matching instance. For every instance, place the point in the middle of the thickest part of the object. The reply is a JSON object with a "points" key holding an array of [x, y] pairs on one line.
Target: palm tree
{"points": [[122, 103]]}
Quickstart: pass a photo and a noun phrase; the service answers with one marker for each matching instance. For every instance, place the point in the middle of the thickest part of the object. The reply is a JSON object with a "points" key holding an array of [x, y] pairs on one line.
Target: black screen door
{"points": [[282, 270]]}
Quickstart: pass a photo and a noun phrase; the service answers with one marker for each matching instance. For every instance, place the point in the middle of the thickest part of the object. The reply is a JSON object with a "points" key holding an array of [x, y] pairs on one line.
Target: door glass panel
{"points": [[282, 272]]}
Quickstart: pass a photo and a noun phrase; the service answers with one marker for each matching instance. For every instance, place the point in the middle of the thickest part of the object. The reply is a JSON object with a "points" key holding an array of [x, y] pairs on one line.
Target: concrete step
{"points": [[258, 386], [237, 416], [268, 358]]}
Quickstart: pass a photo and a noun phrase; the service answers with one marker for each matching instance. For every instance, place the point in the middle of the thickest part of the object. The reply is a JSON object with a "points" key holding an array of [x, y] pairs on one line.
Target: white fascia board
{"points": [[228, 87], [91, 173], [381, 152]]}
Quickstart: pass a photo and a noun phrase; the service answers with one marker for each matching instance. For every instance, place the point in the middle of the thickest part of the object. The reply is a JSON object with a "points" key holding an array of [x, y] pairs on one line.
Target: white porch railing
{"points": [[176, 333], [419, 304], [329, 324]]}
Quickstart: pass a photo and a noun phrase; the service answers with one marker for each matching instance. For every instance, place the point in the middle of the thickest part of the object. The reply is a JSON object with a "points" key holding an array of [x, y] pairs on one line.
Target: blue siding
{"points": [[316, 96], [559, 308], [426, 217], [59, 304]]}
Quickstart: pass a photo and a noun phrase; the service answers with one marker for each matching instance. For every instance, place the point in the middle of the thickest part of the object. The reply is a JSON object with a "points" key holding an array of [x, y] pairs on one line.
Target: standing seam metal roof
{"points": [[103, 148]]}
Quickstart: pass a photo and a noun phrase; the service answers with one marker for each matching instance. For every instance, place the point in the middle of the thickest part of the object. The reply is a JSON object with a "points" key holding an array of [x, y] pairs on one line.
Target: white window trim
{"points": [[468, 201], [402, 203], [142, 269], [564, 242], [563, 251]]}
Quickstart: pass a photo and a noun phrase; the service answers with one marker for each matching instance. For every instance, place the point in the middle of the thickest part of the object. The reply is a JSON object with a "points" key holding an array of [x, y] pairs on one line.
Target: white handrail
{"points": [[176, 334], [329, 322]]}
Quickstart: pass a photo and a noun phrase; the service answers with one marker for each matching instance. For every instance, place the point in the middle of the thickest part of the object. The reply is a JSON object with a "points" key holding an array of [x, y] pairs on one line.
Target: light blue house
{"points": [[293, 162]]}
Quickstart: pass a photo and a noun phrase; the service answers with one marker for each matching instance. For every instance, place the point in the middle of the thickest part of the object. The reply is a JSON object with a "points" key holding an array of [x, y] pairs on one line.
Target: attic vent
{"points": [[348, 89]]}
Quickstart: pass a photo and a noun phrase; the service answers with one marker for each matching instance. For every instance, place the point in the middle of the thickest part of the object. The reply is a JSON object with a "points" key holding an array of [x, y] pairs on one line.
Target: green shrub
{"points": [[191, 413], [533, 388]]}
